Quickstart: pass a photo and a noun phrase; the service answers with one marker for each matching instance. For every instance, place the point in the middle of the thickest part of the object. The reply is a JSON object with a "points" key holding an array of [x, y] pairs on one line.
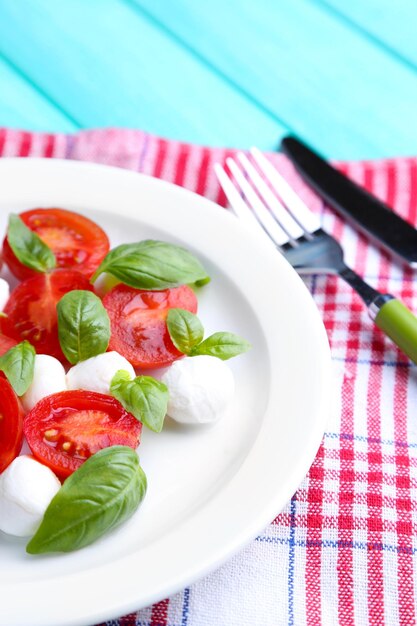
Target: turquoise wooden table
{"points": [[342, 75]]}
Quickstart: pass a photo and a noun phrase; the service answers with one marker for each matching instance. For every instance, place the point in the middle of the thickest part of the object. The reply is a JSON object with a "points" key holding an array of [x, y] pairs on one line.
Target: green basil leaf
{"points": [[222, 345], [28, 247], [83, 325], [119, 377], [185, 329], [18, 365], [101, 494], [152, 265], [145, 397]]}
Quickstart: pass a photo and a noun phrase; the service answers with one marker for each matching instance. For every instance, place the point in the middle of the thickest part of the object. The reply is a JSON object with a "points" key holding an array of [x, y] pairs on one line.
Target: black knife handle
{"points": [[371, 216]]}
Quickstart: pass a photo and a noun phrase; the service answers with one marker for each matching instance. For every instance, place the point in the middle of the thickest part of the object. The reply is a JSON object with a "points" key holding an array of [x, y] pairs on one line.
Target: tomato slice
{"points": [[138, 323], [11, 424], [6, 343], [31, 309], [78, 242], [66, 428]]}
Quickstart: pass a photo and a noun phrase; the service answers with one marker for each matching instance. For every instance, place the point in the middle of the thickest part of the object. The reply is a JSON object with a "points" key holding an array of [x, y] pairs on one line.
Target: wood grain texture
{"points": [[323, 78], [106, 65], [341, 75], [22, 105], [391, 25]]}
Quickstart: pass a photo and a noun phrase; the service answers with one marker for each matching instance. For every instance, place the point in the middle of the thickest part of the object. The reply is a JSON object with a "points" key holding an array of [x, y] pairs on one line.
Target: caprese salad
{"points": [[80, 336]]}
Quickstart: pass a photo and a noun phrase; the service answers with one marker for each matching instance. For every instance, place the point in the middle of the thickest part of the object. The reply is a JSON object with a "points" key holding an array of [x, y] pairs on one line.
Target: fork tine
{"points": [[237, 204], [284, 218], [295, 205], [262, 213]]}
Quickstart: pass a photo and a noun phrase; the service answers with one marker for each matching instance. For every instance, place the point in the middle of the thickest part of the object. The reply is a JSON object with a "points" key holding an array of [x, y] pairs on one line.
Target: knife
{"points": [[363, 210]]}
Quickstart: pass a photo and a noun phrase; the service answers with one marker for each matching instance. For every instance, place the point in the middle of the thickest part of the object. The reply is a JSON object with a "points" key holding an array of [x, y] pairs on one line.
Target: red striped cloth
{"points": [[344, 549]]}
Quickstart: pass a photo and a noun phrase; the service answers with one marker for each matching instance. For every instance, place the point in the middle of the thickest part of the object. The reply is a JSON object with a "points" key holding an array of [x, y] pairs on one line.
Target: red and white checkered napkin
{"points": [[344, 549]]}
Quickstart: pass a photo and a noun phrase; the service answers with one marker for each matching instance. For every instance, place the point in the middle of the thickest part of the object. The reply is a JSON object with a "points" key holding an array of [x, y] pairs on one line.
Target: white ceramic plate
{"points": [[211, 489]]}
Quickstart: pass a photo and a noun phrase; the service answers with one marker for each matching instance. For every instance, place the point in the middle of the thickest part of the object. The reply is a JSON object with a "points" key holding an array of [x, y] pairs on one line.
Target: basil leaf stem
{"points": [[101, 494], [144, 397], [18, 365], [28, 247], [152, 265], [83, 325]]}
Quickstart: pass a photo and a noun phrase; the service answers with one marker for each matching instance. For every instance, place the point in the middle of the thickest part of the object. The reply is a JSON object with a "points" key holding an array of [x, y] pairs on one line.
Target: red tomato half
{"points": [[31, 309], [6, 343], [66, 428], [138, 327], [11, 424], [77, 242]]}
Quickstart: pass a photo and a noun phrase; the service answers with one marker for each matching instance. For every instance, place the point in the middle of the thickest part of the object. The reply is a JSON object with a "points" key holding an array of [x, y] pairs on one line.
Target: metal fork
{"points": [[296, 232]]}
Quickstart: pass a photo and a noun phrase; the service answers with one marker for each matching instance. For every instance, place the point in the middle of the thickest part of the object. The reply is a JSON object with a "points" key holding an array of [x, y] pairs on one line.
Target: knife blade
{"points": [[364, 211]]}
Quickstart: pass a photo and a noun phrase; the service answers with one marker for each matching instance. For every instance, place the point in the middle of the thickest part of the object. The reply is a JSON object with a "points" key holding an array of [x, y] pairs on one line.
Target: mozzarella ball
{"points": [[48, 377], [200, 389], [26, 489], [4, 293], [96, 373]]}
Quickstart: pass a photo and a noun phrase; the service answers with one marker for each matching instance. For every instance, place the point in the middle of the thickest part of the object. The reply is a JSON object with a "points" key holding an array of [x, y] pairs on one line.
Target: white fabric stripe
{"points": [[412, 437], [329, 557], [350, 237], [11, 143], [37, 147], [192, 167], [60, 146], [402, 200], [359, 563], [300, 560], [390, 571], [169, 166], [402, 195], [148, 163]]}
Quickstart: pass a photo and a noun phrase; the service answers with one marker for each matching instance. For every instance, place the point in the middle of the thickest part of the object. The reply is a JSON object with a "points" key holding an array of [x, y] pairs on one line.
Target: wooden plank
{"points": [[22, 106], [328, 82], [107, 65], [392, 25]]}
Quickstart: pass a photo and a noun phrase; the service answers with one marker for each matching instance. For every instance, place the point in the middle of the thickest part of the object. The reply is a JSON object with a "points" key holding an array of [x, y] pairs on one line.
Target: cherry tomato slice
{"points": [[11, 424], [66, 428], [31, 309], [6, 343], [138, 323], [77, 242]]}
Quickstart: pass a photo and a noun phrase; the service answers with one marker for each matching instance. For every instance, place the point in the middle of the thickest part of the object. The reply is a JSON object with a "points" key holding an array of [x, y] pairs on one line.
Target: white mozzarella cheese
{"points": [[26, 489], [48, 378], [96, 373], [200, 389]]}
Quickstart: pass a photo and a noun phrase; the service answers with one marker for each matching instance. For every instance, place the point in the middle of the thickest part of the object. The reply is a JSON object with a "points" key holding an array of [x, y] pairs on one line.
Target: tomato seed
{"points": [[51, 435]]}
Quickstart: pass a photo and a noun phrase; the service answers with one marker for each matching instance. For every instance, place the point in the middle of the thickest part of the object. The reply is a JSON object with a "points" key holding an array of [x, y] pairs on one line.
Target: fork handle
{"points": [[388, 313], [396, 321]]}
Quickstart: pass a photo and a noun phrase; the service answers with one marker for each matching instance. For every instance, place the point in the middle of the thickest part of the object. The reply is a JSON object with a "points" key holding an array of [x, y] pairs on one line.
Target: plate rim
{"points": [[324, 366]]}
